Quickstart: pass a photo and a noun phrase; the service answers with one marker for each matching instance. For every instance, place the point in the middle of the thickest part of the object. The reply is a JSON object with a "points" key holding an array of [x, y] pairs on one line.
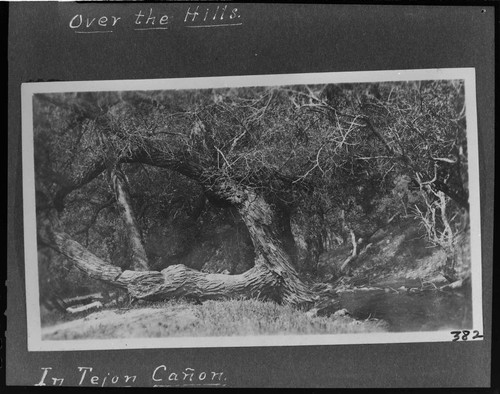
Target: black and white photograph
{"points": [[262, 210]]}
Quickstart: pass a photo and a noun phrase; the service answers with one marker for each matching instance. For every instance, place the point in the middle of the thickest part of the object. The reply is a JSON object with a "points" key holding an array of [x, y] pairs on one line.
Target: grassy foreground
{"points": [[212, 318]]}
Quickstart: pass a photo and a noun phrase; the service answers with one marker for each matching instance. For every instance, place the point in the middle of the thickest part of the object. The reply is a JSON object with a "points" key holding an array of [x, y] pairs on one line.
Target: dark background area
{"points": [[272, 39]]}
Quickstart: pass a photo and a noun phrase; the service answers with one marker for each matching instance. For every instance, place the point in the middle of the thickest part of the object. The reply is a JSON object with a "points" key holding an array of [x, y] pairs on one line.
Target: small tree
{"points": [[443, 222]]}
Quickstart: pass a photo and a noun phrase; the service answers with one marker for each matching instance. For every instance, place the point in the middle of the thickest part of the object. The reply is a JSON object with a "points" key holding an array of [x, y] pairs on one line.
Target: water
{"points": [[421, 311]]}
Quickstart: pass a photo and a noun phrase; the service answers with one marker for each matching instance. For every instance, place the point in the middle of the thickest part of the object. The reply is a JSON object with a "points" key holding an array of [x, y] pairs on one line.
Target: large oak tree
{"points": [[264, 152]]}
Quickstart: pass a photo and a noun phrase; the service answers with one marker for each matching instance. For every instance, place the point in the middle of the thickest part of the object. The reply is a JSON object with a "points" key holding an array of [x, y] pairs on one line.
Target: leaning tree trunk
{"points": [[261, 222], [138, 256]]}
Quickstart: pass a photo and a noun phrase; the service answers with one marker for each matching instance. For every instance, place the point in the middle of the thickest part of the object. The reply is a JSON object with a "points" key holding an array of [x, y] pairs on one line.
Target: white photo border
{"points": [[34, 332]]}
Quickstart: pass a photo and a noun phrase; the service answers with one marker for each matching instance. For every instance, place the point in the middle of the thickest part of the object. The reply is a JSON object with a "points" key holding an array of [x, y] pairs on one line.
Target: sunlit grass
{"points": [[252, 317], [212, 318]]}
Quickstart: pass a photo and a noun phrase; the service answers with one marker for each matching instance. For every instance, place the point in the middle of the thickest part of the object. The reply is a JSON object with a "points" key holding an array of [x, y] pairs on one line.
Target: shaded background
{"points": [[273, 39]]}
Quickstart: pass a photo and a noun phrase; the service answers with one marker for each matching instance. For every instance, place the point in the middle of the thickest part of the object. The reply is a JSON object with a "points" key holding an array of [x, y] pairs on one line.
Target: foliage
{"points": [[331, 159]]}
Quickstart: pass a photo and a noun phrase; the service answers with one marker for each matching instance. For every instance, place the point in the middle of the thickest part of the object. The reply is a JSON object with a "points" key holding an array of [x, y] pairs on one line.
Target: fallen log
{"points": [[83, 299], [84, 308]]}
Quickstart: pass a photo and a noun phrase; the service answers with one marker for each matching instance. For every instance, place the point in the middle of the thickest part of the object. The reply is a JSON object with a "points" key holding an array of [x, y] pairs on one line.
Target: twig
{"points": [[224, 157]]}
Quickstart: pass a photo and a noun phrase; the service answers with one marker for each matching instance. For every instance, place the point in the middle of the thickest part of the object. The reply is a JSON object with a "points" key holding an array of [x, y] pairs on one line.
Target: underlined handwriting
{"points": [[152, 19]]}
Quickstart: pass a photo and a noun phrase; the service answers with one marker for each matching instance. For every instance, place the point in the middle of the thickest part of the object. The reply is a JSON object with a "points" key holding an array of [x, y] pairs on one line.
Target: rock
{"points": [[367, 288], [378, 236], [455, 285], [312, 312], [328, 308], [341, 313]]}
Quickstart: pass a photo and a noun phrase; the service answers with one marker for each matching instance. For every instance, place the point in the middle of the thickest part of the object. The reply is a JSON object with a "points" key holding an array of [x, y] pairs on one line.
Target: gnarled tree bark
{"points": [[172, 282], [260, 220]]}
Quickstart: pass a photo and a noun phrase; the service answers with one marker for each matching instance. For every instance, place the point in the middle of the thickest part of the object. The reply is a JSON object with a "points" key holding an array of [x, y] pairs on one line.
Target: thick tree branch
{"points": [[95, 215], [261, 220], [172, 282], [78, 181]]}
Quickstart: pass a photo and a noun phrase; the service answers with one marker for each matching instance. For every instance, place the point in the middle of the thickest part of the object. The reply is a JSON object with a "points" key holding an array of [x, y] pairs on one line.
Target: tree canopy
{"points": [[330, 161]]}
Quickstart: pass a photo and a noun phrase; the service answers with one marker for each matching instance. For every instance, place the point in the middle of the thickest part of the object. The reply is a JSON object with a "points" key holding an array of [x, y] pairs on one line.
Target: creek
{"points": [[408, 309]]}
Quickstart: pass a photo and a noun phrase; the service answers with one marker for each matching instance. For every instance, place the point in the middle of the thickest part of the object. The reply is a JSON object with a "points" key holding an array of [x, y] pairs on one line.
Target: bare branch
{"points": [[95, 215]]}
